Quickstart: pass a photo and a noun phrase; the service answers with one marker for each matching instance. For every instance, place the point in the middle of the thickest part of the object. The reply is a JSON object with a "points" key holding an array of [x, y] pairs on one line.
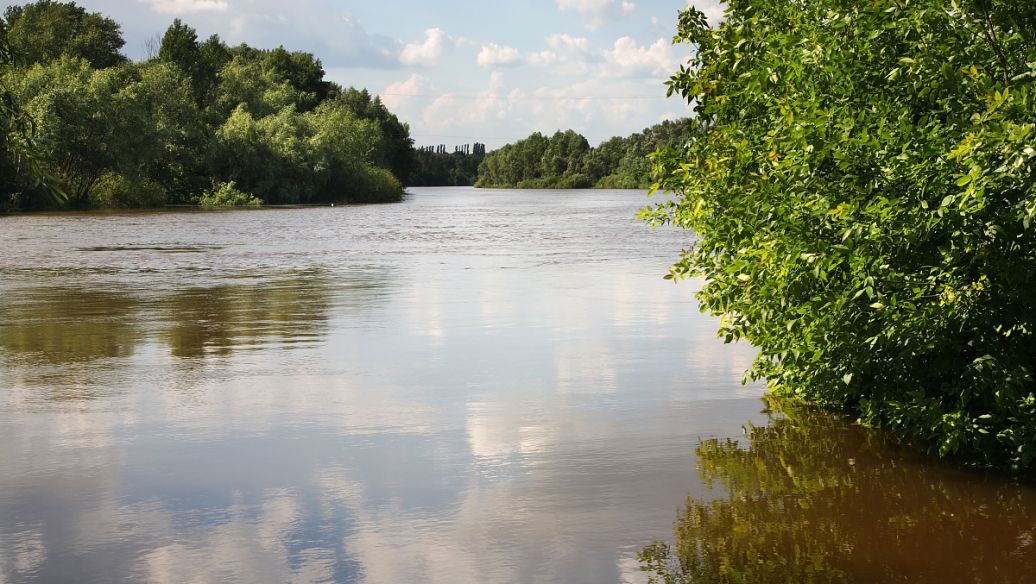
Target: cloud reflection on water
{"points": [[455, 411]]}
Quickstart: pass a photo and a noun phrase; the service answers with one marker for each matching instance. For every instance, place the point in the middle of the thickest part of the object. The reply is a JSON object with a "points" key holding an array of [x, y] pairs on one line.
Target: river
{"points": [[469, 386]]}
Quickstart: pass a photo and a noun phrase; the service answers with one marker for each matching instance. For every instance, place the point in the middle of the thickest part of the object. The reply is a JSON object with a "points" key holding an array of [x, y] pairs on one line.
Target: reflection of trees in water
{"points": [[814, 499], [69, 325], [217, 320], [64, 340], [73, 342]]}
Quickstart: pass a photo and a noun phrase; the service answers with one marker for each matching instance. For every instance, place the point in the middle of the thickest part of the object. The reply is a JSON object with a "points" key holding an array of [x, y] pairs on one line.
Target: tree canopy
{"points": [[566, 160], [198, 118], [44, 31], [434, 166], [862, 198]]}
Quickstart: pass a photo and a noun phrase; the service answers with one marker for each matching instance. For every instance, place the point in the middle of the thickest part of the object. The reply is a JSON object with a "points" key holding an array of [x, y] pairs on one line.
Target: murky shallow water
{"points": [[470, 386]]}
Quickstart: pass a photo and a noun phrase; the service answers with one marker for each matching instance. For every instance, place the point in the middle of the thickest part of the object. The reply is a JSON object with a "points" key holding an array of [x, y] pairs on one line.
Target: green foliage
{"points": [[441, 168], [246, 82], [181, 49], [396, 149], [116, 191], [75, 120], [862, 196], [812, 498], [228, 195], [45, 30], [113, 133], [535, 162], [290, 157], [566, 161], [20, 160], [135, 120], [266, 155], [375, 185], [300, 70]]}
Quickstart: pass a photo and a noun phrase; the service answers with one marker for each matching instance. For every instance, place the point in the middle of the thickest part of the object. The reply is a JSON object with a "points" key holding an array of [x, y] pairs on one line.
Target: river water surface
{"points": [[469, 386]]}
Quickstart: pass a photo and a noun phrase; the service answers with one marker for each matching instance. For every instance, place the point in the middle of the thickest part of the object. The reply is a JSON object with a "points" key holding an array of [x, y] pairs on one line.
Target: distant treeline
{"points": [[186, 122], [566, 160], [437, 167]]}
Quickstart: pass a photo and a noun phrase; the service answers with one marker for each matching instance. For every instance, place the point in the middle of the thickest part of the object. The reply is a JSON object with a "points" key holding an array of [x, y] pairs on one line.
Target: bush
{"points": [[574, 181], [862, 195], [375, 185], [532, 183], [228, 195], [117, 191], [618, 181]]}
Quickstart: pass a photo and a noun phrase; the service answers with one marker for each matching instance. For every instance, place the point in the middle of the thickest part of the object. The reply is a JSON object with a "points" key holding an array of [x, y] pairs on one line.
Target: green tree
{"points": [[246, 82], [396, 152], [343, 147], [200, 115], [160, 135], [290, 157], [71, 106], [266, 156], [180, 48], [565, 160], [521, 164], [137, 122], [42, 31], [605, 158], [215, 53], [862, 198], [447, 169], [20, 160], [302, 71], [562, 162]]}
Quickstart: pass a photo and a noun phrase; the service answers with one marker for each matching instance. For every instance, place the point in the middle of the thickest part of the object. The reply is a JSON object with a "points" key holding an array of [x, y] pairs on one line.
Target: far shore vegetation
{"points": [[181, 125], [566, 160], [563, 160]]}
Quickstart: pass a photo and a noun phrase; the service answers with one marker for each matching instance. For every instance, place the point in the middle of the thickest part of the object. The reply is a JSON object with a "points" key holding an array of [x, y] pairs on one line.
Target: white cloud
{"points": [[628, 59], [573, 56], [568, 55], [428, 52], [599, 107], [600, 12], [541, 59], [492, 104], [400, 96], [566, 107], [343, 41], [494, 55], [186, 6], [579, 45]]}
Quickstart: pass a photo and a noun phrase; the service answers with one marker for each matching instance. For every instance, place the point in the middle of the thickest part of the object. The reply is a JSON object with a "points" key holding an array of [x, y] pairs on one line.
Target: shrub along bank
{"points": [[862, 196]]}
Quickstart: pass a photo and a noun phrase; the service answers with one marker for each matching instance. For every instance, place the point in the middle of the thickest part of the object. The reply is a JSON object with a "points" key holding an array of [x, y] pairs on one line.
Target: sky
{"points": [[460, 72]]}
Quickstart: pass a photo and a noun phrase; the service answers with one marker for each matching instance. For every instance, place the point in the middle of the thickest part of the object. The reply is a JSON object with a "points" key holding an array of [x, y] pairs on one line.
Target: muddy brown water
{"points": [[469, 386]]}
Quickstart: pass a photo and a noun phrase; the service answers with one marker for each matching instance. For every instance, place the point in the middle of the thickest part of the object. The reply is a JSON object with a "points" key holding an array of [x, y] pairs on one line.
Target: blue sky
{"points": [[461, 71]]}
